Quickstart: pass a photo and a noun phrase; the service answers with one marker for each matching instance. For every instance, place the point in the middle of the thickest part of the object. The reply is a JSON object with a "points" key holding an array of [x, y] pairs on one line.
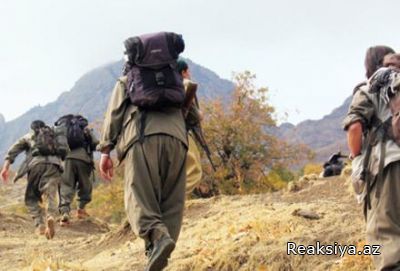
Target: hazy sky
{"points": [[309, 53]]}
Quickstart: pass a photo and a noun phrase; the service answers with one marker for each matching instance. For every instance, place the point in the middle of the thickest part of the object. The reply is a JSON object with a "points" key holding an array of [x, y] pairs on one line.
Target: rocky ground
{"points": [[223, 233]]}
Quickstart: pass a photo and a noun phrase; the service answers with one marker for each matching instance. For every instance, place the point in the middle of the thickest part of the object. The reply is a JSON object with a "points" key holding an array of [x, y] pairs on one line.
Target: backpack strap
{"points": [[377, 134], [365, 173], [358, 87], [142, 125]]}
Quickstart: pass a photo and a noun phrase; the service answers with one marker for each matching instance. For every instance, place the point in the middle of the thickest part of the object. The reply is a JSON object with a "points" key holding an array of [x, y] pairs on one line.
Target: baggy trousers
{"points": [[76, 178], [383, 220], [155, 176], [193, 166], [43, 183]]}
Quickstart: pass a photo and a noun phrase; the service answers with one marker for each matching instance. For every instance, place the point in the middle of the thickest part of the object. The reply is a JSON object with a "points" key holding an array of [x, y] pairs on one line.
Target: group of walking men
{"points": [[55, 171], [149, 122], [150, 125]]}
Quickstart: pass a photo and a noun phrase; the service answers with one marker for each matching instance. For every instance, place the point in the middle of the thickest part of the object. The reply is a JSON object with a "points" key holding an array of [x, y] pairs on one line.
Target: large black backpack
{"points": [[73, 126], [153, 81]]}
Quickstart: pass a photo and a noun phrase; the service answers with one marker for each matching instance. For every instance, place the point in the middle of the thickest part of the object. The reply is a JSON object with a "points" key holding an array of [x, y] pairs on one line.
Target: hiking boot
{"points": [[163, 248], [49, 232], [40, 229], [81, 214], [65, 220]]}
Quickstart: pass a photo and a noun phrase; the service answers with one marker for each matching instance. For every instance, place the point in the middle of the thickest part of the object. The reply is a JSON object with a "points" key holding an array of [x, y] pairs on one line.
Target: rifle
{"points": [[189, 98], [198, 134]]}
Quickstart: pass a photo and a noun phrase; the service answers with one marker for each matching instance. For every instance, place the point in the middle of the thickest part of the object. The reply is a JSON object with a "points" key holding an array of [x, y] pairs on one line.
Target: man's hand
{"points": [[106, 167], [5, 171]]}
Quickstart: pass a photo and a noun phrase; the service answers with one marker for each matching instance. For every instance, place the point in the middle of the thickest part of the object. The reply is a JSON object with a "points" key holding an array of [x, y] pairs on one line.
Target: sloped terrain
{"points": [[223, 233]]}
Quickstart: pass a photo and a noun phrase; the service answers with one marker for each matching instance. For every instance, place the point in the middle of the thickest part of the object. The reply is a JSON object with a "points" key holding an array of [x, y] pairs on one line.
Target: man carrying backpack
{"points": [[193, 161], [79, 166], [44, 173], [145, 124], [376, 159]]}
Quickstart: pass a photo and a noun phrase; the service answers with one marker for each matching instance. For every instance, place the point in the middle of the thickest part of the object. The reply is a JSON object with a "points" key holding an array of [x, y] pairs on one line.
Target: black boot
{"points": [[161, 251]]}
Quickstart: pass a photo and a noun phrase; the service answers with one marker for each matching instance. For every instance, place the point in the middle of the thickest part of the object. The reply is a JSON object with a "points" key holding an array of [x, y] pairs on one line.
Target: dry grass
{"points": [[108, 201], [49, 264], [238, 233], [251, 232]]}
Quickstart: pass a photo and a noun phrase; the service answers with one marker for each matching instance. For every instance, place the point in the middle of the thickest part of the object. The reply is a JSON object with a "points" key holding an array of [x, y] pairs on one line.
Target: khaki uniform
{"points": [[44, 174], [155, 169], [193, 166], [78, 176], [193, 163], [383, 219]]}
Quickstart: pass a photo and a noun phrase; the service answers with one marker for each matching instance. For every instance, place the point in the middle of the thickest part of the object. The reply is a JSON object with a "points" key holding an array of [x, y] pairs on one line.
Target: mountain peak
{"points": [[325, 136], [2, 122], [89, 97]]}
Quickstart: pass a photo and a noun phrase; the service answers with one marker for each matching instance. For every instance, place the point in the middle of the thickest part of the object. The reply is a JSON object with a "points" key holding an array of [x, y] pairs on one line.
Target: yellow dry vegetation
{"points": [[251, 232], [313, 168], [108, 201], [243, 146], [43, 264], [237, 233]]}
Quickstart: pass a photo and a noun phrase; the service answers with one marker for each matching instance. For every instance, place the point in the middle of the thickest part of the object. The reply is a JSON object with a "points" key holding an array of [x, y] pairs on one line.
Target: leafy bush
{"points": [[238, 131]]}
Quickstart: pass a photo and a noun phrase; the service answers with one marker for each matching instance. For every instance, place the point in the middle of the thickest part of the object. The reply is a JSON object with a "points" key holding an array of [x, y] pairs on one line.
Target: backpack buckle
{"points": [[160, 78]]}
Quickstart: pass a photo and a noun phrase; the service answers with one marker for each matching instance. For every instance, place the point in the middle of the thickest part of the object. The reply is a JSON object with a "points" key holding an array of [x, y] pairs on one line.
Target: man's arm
{"points": [[360, 114], [112, 127], [5, 171], [113, 118], [94, 141], [354, 138], [20, 146]]}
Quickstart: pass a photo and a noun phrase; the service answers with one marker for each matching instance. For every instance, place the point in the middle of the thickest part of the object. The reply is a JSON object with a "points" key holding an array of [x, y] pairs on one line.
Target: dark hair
{"points": [[181, 66], [37, 124], [374, 58]]}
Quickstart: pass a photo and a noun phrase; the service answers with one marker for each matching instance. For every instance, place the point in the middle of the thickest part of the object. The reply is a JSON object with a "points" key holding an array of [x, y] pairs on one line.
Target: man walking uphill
{"points": [[78, 166], [144, 123], [372, 145], [44, 173], [193, 160]]}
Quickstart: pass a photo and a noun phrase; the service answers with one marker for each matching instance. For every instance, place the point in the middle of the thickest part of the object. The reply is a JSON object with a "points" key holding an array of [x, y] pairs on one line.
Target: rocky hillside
{"points": [[2, 122], [89, 96], [325, 136], [257, 240]]}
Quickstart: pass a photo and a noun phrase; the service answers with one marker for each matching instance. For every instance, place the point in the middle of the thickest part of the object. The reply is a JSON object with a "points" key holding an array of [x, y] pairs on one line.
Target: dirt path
{"points": [[223, 233]]}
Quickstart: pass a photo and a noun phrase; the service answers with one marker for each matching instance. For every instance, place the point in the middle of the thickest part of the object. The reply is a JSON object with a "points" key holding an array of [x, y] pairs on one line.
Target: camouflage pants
{"points": [[77, 177], [383, 220], [43, 183], [155, 179]]}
